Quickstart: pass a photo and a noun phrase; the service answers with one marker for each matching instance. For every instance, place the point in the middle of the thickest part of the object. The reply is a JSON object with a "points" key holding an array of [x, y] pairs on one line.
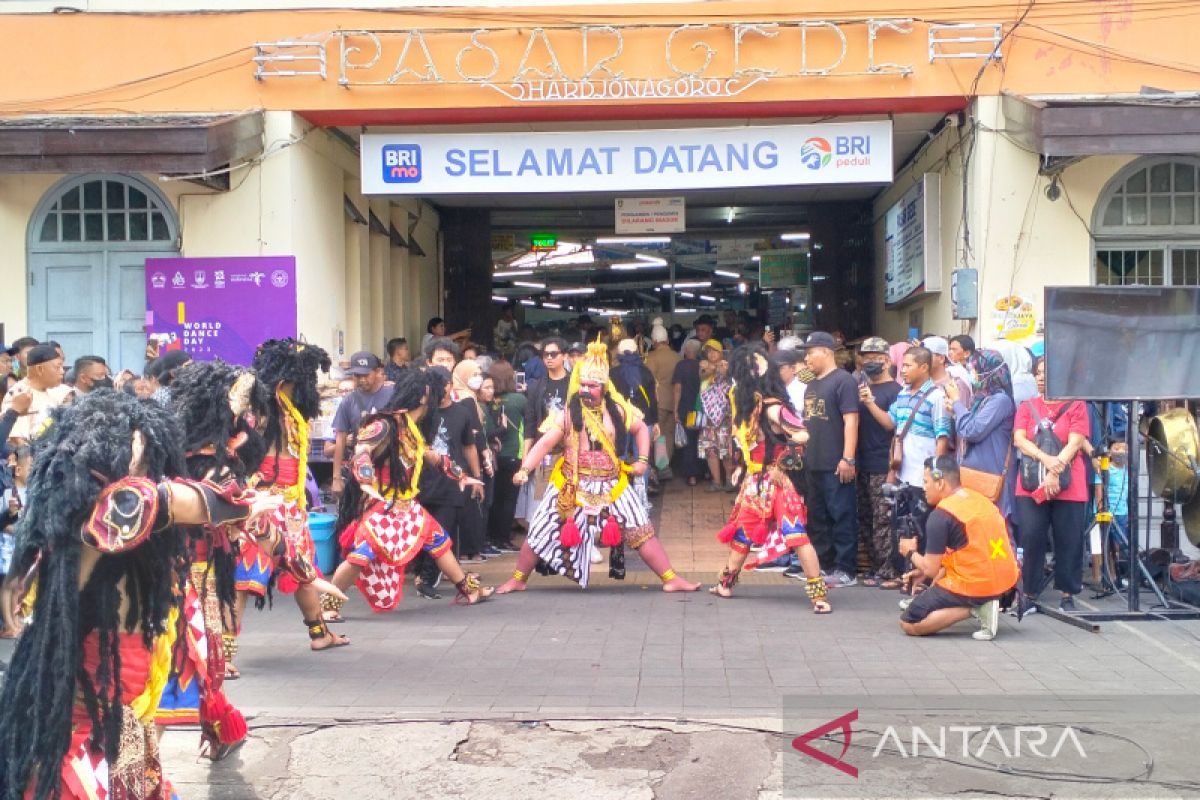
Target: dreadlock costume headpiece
{"points": [[288, 361], [63, 693]]}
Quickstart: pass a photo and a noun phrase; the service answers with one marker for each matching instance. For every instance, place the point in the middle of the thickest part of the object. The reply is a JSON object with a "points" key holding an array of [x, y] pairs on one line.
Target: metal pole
{"points": [[672, 300], [1135, 457]]}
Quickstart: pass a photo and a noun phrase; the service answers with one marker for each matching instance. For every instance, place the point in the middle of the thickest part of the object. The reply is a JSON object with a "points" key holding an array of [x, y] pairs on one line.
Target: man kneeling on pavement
{"points": [[967, 553]]}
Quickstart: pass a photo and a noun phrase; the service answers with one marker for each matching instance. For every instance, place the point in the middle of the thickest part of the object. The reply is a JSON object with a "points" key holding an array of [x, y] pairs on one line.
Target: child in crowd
{"points": [[1114, 498]]}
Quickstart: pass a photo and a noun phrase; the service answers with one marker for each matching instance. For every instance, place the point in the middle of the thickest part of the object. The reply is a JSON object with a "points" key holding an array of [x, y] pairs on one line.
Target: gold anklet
{"points": [[520, 576], [668, 576]]}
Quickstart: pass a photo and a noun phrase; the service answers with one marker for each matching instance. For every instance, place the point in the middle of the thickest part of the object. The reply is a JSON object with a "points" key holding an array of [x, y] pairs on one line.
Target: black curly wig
{"points": [[200, 400], [280, 361], [86, 446], [749, 385]]}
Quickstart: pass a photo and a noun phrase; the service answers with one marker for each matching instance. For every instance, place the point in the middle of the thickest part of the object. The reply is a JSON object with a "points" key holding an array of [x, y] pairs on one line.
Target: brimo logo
{"points": [[942, 741]]}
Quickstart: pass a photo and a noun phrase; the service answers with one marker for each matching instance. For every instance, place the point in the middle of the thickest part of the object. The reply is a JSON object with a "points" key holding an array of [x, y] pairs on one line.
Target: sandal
{"points": [[317, 630], [724, 588], [891, 584], [869, 580], [471, 591], [816, 590], [229, 647]]}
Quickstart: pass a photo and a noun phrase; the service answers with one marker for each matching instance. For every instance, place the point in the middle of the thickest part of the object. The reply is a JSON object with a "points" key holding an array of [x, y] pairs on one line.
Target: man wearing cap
{"points": [[943, 370], [371, 392], [831, 416], [876, 393], [661, 361], [43, 378], [19, 350]]}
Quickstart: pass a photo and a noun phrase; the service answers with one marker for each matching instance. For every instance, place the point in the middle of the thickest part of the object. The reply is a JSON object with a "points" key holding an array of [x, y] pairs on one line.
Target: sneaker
{"points": [[988, 615], [1067, 605], [597, 556], [838, 579], [489, 550], [796, 572], [714, 487], [508, 547], [1023, 608], [905, 603], [427, 591]]}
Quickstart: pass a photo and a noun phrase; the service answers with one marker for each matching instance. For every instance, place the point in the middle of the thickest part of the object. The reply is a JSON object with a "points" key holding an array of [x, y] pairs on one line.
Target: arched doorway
{"points": [[1147, 225], [88, 243]]}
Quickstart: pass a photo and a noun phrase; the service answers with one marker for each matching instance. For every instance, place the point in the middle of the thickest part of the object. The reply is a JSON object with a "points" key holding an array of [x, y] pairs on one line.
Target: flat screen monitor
{"points": [[1122, 342]]}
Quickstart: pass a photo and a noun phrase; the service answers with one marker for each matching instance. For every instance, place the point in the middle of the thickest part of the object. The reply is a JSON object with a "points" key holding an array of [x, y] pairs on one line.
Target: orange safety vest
{"points": [[986, 566]]}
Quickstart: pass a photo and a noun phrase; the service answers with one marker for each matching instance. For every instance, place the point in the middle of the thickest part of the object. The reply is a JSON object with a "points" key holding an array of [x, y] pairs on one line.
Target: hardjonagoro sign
{"points": [[620, 161]]}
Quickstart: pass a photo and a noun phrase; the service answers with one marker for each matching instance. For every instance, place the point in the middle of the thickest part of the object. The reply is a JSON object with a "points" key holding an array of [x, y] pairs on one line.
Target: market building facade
{"points": [[942, 166]]}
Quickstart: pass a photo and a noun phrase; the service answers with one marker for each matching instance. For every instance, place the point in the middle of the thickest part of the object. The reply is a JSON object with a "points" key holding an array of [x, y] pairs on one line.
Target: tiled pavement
{"points": [[620, 649]]}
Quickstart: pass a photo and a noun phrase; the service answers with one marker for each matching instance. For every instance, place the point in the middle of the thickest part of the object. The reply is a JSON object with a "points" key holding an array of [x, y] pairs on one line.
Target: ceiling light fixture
{"points": [[724, 273], [688, 285], [528, 303], [512, 273], [795, 237], [756, 258], [634, 240], [626, 266], [685, 311], [551, 305], [529, 284], [498, 299], [581, 290], [708, 298]]}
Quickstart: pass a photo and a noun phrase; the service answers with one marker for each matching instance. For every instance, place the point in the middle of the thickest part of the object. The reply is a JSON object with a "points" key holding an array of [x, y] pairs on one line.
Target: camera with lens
{"points": [[909, 512]]}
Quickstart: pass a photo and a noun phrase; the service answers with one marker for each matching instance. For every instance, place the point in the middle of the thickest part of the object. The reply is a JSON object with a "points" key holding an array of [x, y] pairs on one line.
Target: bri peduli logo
{"points": [[816, 153], [401, 163]]}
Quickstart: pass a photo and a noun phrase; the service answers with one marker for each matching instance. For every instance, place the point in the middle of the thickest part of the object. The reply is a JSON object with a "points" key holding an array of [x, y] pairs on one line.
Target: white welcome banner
{"points": [[622, 161]]}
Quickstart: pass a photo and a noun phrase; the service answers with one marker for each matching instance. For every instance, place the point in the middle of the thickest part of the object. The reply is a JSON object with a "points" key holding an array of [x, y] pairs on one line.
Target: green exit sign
{"points": [[543, 242]]}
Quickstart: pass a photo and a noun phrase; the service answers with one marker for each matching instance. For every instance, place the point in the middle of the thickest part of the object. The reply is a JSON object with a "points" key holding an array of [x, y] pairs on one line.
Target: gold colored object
{"points": [[520, 576], [668, 576], [1190, 513], [1173, 472]]}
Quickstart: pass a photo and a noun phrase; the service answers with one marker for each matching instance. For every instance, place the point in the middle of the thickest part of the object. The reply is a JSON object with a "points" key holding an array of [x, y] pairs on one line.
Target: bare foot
{"points": [[721, 591], [329, 640], [678, 584], [231, 672], [511, 585], [332, 616]]}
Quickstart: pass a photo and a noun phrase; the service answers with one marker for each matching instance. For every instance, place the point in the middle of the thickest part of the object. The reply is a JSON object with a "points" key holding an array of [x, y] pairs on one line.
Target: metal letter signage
{"points": [[623, 161], [688, 61]]}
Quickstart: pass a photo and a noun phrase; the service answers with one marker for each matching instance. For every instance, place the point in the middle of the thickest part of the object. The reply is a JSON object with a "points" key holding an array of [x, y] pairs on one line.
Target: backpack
{"points": [[1033, 472]]}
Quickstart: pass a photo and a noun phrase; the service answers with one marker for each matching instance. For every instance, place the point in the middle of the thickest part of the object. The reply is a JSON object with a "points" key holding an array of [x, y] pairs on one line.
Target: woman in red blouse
{"points": [[1052, 509]]}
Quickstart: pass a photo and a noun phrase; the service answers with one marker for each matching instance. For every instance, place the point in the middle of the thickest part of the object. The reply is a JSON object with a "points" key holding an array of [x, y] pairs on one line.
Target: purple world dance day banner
{"points": [[220, 307]]}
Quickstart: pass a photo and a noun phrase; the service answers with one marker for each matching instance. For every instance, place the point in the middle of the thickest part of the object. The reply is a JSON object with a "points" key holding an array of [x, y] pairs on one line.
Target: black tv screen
{"points": [[1122, 342]]}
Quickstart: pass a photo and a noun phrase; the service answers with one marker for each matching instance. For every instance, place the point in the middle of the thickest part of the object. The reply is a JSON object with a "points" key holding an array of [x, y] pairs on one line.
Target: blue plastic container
{"points": [[321, 527]]}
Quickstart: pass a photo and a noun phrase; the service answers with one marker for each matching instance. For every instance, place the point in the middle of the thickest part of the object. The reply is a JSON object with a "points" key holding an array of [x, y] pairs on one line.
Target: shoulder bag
{"points": [[1033, 472], [897, 456]]}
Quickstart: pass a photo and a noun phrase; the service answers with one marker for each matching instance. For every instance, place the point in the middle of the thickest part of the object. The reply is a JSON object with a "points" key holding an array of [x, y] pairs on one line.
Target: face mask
{"points": [[103, 383], [976, 381], [873, 368], [474, 383]]}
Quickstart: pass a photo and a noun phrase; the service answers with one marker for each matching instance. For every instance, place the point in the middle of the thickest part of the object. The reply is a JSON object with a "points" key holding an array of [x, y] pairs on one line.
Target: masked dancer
{"points": [[768, 511], [588, 496], [282, 552], [380, 519], [102, 536]]}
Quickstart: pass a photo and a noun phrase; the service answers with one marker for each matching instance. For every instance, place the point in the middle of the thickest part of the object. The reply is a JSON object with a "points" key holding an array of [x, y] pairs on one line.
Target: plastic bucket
{"points": [[321, 527]]}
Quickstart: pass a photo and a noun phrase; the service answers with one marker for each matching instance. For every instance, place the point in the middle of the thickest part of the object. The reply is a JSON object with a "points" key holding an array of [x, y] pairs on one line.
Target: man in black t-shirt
{"points": [[545, 397], [875, 428], [831, 416]]}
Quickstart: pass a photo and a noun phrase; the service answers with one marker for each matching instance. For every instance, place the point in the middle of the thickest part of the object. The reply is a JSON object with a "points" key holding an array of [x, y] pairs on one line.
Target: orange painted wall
{"points": [[137, 63]]}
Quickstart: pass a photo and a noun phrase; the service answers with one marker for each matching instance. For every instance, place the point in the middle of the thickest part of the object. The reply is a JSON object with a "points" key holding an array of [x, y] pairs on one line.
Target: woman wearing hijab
{"points": [[1020, 366], [985, 429], [467, 380], [896, 353]]}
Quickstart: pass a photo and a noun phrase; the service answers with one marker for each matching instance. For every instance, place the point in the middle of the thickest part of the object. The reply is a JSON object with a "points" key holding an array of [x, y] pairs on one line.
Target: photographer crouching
{"points": [[967, 553]]}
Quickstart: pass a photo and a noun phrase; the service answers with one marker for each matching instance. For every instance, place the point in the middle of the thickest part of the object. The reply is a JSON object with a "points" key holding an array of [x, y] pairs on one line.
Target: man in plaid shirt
{"points": [[929, 434]]}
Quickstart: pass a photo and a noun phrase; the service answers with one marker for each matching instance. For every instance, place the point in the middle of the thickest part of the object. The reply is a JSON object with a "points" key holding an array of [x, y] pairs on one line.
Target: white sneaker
{"points": [[597, 557], [988, 615], [905, 603]]}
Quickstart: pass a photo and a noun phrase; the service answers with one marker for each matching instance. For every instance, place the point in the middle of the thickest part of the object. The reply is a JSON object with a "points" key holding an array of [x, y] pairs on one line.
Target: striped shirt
{"points": [[930, 424]]}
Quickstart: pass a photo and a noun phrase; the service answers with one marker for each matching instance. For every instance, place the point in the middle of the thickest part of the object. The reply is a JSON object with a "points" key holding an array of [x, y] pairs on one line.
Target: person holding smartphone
{"points": [[876, 393]]}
